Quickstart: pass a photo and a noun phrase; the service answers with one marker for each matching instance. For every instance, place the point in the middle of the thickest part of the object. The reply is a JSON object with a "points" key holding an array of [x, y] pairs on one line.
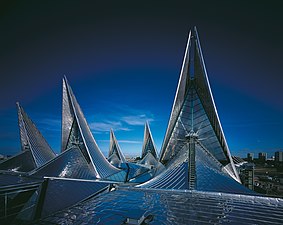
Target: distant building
{"points": [[262, 156], [278, 156], [247, 175], [250, 157]]}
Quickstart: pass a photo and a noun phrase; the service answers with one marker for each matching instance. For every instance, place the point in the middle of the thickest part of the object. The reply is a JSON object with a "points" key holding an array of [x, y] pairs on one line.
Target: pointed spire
{"points": [[67, 116], [148, 143], [115, 148], [180, 93], [194, 110], [32, 139], [75, 131]]}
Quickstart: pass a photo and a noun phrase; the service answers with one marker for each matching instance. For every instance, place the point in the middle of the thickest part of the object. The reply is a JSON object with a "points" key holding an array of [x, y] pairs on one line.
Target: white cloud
{"points": [[49, 124], [124, 141], [106, 126], [137, 120]]}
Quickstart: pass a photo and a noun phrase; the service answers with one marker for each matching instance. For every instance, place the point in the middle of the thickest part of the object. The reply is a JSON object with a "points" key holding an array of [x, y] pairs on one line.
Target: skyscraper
{"points": [[278, 156], [250, 157], [262, 156]]}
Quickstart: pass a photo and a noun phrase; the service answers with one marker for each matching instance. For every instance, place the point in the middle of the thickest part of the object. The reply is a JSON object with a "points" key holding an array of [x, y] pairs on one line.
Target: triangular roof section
{"points": [[114, 148], [76, 132], [32, 140], [149, 160], [68, 164], [195, 168], [148, 143], [194, 110], [21, 162]]}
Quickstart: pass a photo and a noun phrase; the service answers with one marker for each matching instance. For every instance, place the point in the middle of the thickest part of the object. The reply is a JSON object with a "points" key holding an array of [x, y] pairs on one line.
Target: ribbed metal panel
{"points": [[69, 164], [22, 162], [172, 207], [194, 110], [63, 193], [114, 149], [102, 167], [32, 139], [148, 143], [173, 178], [149, 160]]}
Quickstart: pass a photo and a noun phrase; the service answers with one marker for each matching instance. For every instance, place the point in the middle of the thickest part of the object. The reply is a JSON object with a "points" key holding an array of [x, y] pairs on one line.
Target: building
{"points": [[194, 181], [149, 154], [250, 157], [278, 156], [247, 175], [115, 155], [262, 156]]}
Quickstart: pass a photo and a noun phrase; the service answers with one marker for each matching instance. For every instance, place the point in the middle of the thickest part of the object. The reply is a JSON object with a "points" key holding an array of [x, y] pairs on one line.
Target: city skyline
{"points": [[124, 70]]}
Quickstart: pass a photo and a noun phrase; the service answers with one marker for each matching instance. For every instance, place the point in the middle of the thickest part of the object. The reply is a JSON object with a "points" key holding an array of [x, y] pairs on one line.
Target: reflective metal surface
{"points": [[115, 155], [148, 143], [101, 166], [22, 162], [63, 193], [171, 207], [194, 110], [32, 139], [69, 164]]}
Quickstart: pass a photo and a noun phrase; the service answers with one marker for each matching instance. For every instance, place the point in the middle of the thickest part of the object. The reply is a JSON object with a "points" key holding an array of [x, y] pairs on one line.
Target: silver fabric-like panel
{"points": [[102, 167], [32, 139]]}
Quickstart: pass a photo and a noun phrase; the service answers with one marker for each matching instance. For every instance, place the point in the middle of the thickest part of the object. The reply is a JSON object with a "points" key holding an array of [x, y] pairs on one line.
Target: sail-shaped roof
{"points": [[115, 154], [148, 143], [76, 132], [32, 139], [194, 110], [35, 149], [149, 153]]}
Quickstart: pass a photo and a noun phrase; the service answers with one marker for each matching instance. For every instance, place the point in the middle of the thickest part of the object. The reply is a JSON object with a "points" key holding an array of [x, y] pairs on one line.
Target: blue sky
{"points": [[123, 63]]}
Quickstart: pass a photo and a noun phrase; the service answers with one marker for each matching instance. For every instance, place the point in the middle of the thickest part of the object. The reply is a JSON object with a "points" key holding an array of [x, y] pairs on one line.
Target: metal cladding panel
{"points": [[179, 98], [193, 117], [67, 117], [210, 175], [195, 111], [114, 160], [16, 180], [148, 143], [102, 167], [149, 160], [171, 207], [115, 148], [22, 162], [175, 177], [135, 170], [32, 139], [69, 164], [63, 193], [15, 200]]}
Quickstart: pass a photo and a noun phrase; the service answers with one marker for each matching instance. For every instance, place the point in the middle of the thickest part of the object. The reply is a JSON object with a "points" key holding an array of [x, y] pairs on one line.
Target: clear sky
{"points": [[123, 62]]}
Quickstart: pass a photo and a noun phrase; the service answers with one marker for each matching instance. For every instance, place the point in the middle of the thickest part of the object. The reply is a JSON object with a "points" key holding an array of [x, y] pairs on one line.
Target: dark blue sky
{"points": [[123, 62]]}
